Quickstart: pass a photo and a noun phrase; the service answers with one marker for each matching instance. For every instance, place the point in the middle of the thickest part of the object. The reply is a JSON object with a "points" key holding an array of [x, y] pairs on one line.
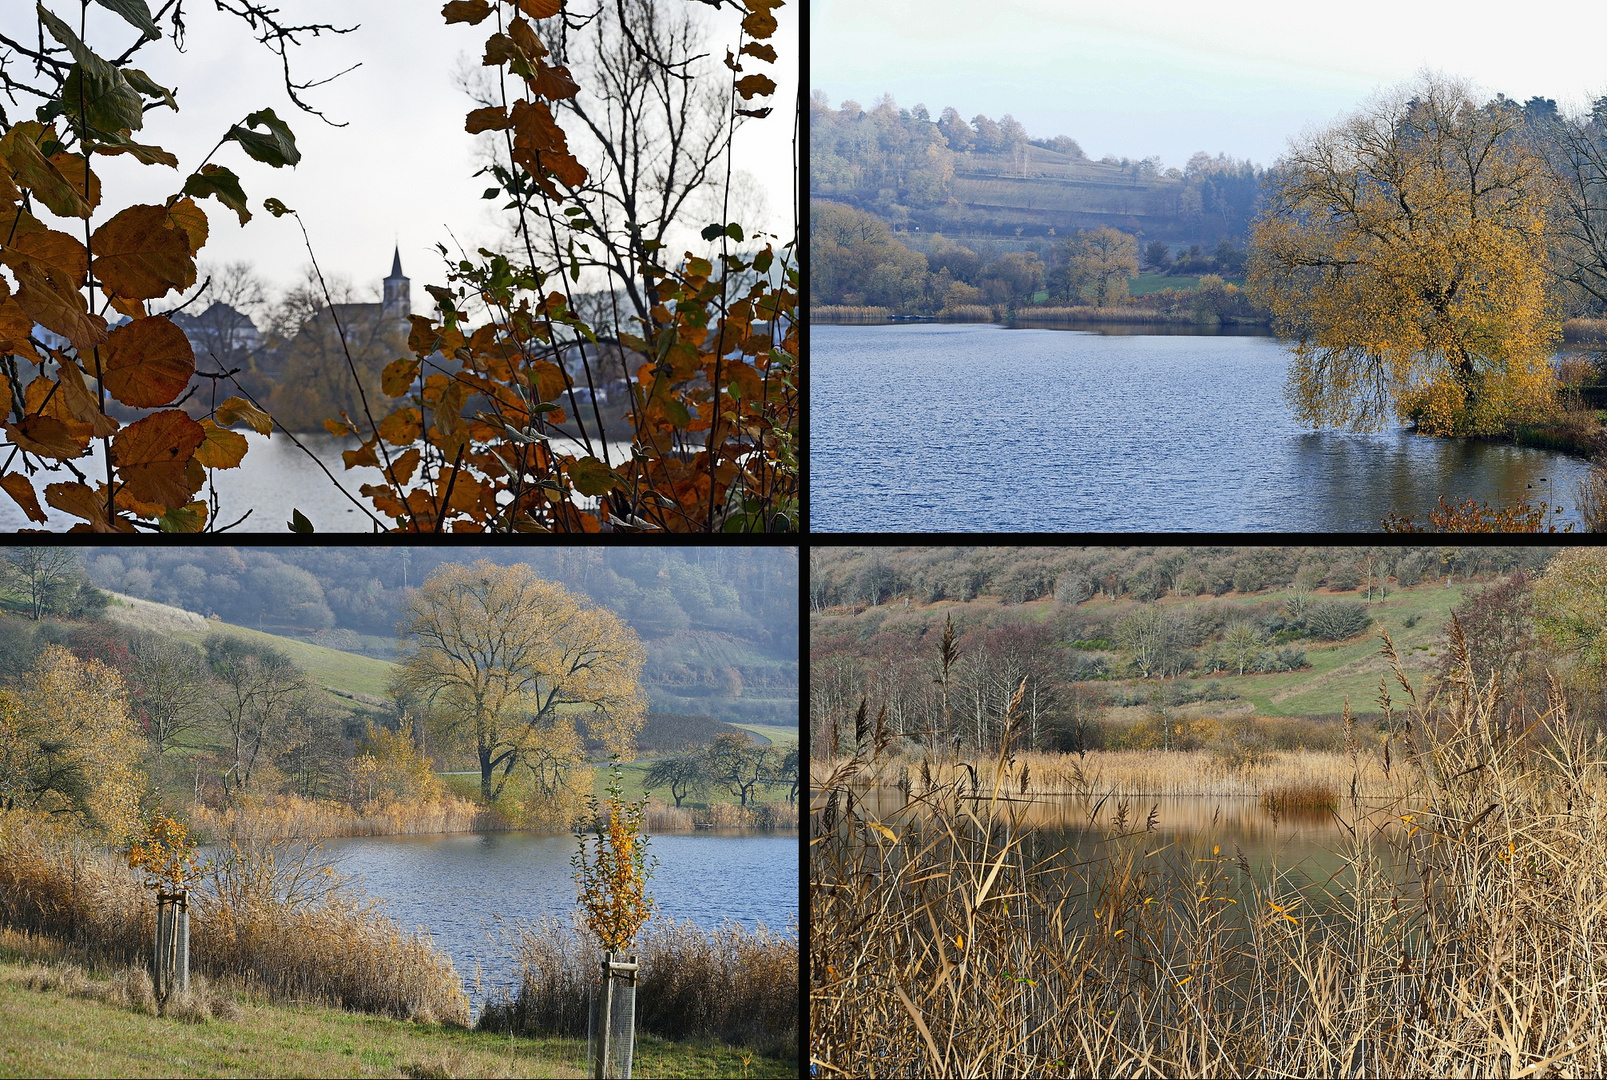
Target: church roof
{"points": [[396, 263]]}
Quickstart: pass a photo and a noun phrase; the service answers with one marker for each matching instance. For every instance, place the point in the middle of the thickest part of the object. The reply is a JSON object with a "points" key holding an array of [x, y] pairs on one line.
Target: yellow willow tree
{"points": [[511, 663], [1404, 249]]}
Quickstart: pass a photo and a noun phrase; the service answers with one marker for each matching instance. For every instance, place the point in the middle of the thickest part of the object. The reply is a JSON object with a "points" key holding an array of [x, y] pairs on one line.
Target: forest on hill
{"points": [[720, 624]]}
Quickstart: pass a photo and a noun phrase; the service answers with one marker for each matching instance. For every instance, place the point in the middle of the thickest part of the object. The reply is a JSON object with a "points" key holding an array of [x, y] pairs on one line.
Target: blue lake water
{"points": [[977, 428], [454, 884]]}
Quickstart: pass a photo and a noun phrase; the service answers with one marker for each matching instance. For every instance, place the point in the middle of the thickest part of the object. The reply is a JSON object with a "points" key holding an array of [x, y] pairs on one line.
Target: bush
{"points": [[732, 984], [1337, 620]]}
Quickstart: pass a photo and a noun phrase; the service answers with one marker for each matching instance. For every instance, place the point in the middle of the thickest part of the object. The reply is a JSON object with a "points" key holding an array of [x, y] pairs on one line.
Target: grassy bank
{"points": [[73, 1028]]}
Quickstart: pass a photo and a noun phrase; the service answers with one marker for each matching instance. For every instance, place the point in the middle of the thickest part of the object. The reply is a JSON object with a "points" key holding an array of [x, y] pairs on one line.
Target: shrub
{"points": [[1337, 620]]}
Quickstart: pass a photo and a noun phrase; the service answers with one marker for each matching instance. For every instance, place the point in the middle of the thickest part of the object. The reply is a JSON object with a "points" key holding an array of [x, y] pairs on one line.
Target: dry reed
{"points": [[731, 984], [1300, 798], [267, 915], [1465, 932], [292, 817], [840, 313]]}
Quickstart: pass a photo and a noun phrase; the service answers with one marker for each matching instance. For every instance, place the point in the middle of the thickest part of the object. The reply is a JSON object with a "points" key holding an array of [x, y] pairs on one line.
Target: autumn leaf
{"points": [[32, 170], [31, 240], [277, 147], [20, 490], [363, 455], [398, 376], [472, 12], [766, 53], [153, 457], [84, 502], [80, 403], [405, 465], [56, 304], [235, 410], [147, 363], [337, 427], [750, 86], [72, 168], [491, 118], [48, 437], [222, 448], [402, 427], [540, 9], [140, 255], [759, 23], [190, 518]]}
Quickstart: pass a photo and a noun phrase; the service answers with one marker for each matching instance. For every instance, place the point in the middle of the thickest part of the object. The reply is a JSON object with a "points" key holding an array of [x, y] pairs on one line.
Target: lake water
{"points": [[275, 478], [453, 885], [976, 428]]}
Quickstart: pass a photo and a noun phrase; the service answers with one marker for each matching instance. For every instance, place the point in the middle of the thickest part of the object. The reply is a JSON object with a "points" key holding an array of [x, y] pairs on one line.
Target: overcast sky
{"points": [[400, 172], [1170, 77]]}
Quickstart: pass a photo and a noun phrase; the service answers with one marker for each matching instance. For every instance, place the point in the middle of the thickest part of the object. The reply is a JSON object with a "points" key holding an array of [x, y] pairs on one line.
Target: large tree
{"points": [[47, 577], [1404, 249], [258, 689], [510, 663]]}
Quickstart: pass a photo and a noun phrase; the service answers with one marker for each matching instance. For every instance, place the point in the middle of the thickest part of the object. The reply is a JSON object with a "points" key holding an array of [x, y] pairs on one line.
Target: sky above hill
{"points": [[400, 171], [1171, 77]]}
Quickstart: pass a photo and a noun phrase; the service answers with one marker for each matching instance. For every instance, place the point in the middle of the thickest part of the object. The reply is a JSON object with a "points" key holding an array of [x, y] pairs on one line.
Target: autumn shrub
{"points": [[729, 983], [1592, 496]]}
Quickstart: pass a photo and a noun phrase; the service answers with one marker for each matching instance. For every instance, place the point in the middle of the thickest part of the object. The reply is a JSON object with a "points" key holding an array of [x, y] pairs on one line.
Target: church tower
{"points": [[398, 301]]}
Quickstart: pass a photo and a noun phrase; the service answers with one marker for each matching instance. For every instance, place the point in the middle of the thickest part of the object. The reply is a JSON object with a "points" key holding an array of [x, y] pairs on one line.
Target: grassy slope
{"points": [[329, 668], [67, 1036]]}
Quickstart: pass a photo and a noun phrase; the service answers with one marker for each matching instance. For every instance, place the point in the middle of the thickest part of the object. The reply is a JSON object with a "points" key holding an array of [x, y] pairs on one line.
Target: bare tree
{"points": [[42, 574], [1576, 149]]}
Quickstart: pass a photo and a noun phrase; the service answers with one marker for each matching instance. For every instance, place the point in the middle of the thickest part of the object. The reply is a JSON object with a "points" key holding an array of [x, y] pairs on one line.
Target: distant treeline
{"points": [[982, 177], [869, 576]]}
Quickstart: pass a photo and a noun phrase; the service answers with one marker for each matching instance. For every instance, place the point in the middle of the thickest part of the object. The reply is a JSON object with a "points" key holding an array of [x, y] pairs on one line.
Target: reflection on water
{"points": [[977, 428]]}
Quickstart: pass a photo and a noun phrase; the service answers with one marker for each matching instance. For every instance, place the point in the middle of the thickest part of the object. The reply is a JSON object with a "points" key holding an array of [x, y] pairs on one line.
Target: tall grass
{"points": [[293, 817], [731, 984], [1465, 932], [271, 913], [838, 313]]}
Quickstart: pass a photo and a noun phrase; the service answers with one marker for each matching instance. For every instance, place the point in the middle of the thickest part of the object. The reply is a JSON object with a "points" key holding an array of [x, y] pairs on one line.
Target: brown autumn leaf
{"points": [[491, 118], [525, 39], [553, 82], [766, 53], [405, 464], [32, 170], [147, 363], [235, 410], [540, 9], [750, 86], [49, 437], [534, 129], [337, 427], [21, 490], [56, 304], [80, 403], [31, 240], [222, 448], [363, 455], [134, 309], [73, 170], [15, 327], [10, 193], [153, 457], [402, 427], [472, 12], [187, 216], [398, 376], [759, 23], [141, 256], [499, 49], [81, 501]]}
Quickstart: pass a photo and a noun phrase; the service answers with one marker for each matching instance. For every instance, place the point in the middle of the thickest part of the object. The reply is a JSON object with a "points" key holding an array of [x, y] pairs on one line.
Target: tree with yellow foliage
{"points": [[1404, 248], [511, 662], [68, 744]]}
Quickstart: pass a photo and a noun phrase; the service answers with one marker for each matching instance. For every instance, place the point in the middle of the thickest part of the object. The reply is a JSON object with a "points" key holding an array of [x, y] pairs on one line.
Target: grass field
{"points": [[774, 733], [51, 1034], [328, 668]]}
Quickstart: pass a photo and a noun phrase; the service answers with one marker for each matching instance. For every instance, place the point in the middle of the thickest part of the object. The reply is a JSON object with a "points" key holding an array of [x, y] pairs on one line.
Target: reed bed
{"points": [[839, 313], [663, 817], [1305, 798], [1133, 773], [968, 313], [736, 985], [1088, 313], [1465, 932], [271, 913], [293, 817]]}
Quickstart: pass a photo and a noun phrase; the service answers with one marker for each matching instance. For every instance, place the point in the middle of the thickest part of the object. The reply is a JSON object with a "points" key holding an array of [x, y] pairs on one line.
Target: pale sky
{"points": [[400, 172], [1171, 77]]}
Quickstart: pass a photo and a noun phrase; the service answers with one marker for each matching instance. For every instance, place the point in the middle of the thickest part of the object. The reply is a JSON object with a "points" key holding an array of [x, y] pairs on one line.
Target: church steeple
{"points": [[398, 300]]}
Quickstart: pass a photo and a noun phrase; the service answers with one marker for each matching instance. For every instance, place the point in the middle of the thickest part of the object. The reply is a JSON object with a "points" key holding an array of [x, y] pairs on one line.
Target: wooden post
{"points": [[172, 968], [612, 1049]]}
